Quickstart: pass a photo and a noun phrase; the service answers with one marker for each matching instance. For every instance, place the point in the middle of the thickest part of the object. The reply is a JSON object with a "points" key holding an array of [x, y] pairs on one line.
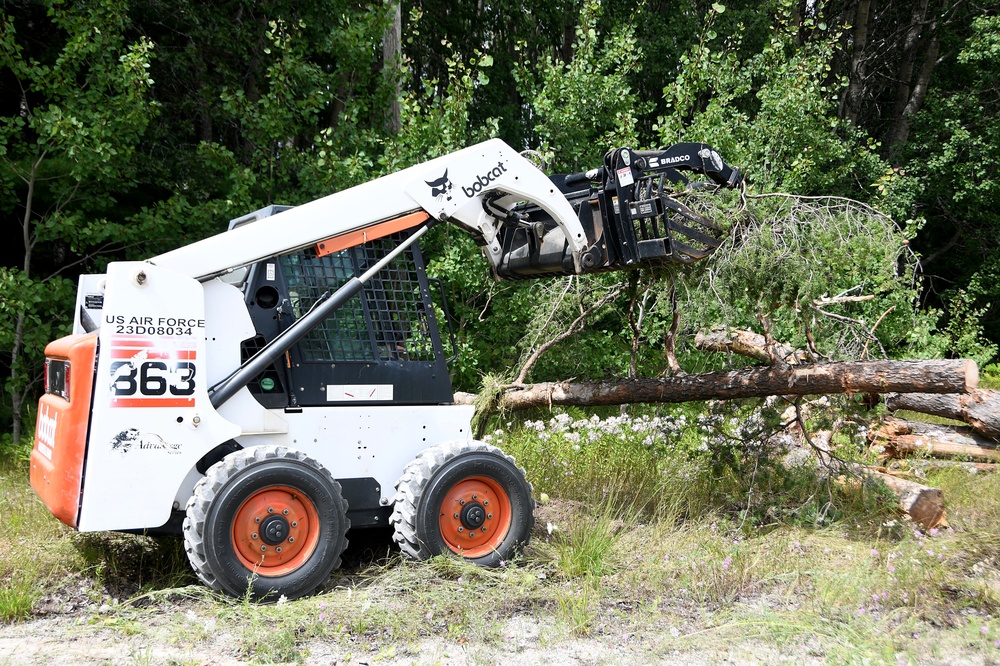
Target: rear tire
{"points": [[463, 498], [266, 521]]}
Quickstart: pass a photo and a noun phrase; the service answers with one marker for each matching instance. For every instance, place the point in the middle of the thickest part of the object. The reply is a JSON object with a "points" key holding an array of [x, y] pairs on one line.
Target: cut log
{"points": [[901, 438], [923, 504], [979, 408], [931, 376]]}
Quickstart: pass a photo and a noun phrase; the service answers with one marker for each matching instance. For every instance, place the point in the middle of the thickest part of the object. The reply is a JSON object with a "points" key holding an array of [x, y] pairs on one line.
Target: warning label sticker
{"points": [[625, 176], [358, 392]]}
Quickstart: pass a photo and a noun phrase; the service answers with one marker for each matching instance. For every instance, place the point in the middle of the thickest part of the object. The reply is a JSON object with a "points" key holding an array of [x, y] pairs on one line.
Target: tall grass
{"points": [[679, 519]]}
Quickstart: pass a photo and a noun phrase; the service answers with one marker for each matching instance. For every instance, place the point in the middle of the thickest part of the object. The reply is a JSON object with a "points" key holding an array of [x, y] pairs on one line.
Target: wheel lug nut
{"points": [[456, 515], [253, 536], [462, 502], [291, 539], [486, 502], [295, 524], [257, 519], [285, 511], [270, 510], [475, 497], [484, 528], [472, 535], [490, 516], [263, 548], [278, 549], [460, 529]]}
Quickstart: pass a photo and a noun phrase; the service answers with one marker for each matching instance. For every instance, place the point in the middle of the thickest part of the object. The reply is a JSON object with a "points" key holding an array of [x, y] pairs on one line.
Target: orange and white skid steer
{"points": [[269, 388]]}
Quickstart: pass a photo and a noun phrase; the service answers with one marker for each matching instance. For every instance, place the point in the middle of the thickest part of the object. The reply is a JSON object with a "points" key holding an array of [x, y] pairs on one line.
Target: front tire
{"points": [[268, 521], [463, 498]]}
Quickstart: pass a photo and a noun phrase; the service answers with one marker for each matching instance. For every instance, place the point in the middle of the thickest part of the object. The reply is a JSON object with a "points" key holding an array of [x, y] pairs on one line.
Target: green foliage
{"points": [[963, 330], [69, 147], [774, 112], [586, 106], [790, 261], [952, 157]]}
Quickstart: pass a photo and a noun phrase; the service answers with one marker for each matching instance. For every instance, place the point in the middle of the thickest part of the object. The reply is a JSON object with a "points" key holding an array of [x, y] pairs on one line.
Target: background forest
{"points": [[128, 129]]}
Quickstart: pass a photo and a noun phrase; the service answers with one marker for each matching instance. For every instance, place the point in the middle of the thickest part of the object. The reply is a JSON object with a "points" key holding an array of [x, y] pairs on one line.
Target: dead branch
{"points": [[746, 343], [575, 327], [670, 336]]}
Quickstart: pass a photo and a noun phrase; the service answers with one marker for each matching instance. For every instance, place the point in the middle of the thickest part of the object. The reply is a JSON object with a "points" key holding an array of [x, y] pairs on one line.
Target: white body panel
{"points": [[369, 441], [151, 418]]}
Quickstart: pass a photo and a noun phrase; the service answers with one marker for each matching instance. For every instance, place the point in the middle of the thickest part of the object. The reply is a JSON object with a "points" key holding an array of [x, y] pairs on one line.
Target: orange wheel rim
{"points": [[475, 517], [275, 531]]}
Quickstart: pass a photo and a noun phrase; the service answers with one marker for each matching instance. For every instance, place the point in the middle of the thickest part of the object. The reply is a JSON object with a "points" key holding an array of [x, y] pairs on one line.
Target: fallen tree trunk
{"points": [[932, 376], [901, 437], [979, 408]]}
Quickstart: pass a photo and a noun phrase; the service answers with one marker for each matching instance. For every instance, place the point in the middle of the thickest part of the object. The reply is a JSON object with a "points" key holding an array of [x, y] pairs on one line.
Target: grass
{"points": [[646, 534]]}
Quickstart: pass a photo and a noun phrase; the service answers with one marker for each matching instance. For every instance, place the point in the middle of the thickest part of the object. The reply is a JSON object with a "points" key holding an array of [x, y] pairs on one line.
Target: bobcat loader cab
{"points": [[269, 388]]}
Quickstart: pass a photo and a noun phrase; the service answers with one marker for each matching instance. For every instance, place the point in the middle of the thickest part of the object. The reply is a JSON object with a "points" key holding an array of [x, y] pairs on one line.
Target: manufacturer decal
{"points": [[130, 439], [441, 187], [483, 180], [152, 372], [712, 157], [676, 159], [45, 432]]}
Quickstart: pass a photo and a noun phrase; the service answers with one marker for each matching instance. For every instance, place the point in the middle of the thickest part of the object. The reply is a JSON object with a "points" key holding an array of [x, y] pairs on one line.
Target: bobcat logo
{"points": [[126, 440], [441, 187]]}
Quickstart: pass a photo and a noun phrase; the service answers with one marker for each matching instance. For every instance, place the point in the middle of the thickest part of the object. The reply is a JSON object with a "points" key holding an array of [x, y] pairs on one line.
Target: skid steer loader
{"points": [[269, 388]]}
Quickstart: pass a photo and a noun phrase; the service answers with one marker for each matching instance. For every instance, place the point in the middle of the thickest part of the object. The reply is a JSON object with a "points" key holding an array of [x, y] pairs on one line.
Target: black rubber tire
{"points": [[427, 480], [217, 500]]}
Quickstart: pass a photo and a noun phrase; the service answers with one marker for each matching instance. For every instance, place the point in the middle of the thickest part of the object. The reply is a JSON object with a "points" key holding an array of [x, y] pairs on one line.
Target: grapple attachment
{"points": [[629, 214]]}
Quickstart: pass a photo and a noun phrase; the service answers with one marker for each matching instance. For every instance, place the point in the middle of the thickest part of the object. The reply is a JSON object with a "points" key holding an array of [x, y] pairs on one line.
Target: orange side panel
{"points": [[380, 230], [61, 430]]}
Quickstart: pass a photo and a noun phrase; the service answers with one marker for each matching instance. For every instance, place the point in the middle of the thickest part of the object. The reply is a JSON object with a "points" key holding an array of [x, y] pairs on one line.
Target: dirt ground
{"points": [[76, 639], [81, 622]]}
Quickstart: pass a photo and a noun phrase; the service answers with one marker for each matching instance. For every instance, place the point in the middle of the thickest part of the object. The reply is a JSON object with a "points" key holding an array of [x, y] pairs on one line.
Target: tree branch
{"points": [[573, 329]]}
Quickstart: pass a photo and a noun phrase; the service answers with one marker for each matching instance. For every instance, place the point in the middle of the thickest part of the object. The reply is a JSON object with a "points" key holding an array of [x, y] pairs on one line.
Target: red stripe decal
{"points": [[152, 402], [178, 354]]}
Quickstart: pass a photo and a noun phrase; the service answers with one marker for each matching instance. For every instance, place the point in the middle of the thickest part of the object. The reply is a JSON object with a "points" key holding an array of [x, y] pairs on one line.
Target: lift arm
{"points": [[528, 224]]}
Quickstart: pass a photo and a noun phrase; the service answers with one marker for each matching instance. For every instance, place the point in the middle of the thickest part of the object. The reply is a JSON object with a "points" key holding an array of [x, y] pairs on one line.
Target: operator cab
{"points": [[383, 346]]}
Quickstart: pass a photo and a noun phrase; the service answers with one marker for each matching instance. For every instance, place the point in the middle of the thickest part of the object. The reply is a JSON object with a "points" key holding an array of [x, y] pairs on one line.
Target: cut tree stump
{"points": [[930, 376], [901, 438], [979, 408]]}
